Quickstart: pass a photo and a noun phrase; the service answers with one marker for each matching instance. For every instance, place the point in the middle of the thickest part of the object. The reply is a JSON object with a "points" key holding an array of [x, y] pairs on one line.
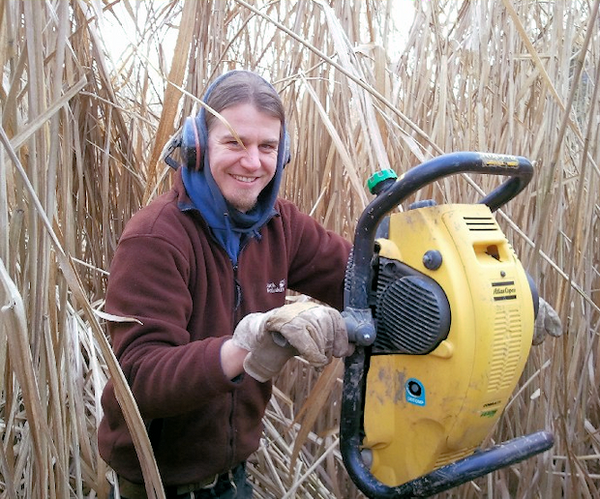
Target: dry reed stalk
{"points": [[88, 125]]}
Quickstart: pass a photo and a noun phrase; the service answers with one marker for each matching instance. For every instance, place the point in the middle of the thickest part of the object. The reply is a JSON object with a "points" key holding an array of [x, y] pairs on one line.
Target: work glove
{"points": [[547, 322], [314, 332]]}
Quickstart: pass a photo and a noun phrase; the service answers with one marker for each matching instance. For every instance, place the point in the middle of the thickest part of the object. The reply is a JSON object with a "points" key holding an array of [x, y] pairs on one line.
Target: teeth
{"points": [[243, 179]]}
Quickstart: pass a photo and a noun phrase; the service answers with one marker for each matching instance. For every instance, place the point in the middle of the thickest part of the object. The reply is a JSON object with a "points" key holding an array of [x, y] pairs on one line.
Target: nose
{"points": [[251, 158]]}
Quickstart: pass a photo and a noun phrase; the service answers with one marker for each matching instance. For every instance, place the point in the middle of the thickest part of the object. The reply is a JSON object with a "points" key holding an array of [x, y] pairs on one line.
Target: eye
{"points": [[234, 144], [268, 147]]}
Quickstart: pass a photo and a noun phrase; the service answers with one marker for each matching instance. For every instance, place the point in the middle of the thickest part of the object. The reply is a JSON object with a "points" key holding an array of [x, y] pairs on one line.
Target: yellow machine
{"points": [[452, 396], [442, 313]]}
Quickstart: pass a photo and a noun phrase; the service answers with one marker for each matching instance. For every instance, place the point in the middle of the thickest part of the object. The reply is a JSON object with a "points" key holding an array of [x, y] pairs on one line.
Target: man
{"points": [[205, 269]]}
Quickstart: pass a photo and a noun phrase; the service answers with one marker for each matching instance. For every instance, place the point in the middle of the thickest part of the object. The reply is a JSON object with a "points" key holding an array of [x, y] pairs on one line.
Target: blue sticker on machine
{"points": [[415, 392]]}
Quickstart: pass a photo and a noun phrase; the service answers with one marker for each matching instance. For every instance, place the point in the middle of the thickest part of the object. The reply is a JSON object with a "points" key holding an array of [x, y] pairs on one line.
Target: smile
{"points": [[246, 180]]}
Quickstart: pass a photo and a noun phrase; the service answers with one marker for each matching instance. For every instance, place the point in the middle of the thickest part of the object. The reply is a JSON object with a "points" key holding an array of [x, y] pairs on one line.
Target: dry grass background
{"points": [[91, 92]]}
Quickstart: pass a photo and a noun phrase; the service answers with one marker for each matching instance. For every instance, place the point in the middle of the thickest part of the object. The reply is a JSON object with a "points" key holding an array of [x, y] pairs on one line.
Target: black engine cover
{"points": [[412, 313]]}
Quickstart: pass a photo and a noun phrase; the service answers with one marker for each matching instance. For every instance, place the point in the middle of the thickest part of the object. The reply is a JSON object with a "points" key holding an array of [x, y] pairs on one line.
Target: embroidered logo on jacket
{"points": [[276, 288]]}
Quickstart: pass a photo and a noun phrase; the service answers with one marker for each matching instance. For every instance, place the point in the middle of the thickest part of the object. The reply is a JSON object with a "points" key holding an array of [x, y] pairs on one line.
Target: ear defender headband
{"points": [[194, 135]]}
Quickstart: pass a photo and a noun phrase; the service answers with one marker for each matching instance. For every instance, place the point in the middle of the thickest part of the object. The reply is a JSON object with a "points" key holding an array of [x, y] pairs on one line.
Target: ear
{"points": [[191, 153]]}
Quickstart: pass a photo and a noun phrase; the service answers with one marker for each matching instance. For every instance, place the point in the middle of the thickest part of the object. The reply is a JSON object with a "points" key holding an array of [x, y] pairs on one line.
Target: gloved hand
{"points": [[314, 332], [546, 322], [266, 358]]}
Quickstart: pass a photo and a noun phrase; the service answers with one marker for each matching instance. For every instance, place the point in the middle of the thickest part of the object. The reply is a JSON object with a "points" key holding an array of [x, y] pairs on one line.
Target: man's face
{"points": [[242, 172]]}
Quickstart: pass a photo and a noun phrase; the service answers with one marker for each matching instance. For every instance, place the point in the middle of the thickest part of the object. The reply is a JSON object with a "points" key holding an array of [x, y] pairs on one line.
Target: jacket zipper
{"points": [[237, 300]]}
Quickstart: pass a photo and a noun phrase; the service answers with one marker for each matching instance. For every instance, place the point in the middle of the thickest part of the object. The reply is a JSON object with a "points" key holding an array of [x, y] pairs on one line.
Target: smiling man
{"points": [[205, 269]]}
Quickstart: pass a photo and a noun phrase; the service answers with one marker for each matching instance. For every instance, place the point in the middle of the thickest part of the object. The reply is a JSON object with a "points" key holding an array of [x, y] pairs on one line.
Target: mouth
{"points": [[243, 179]]}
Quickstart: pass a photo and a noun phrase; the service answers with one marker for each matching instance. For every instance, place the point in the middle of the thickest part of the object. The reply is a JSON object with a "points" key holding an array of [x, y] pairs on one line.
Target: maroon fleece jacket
{"points": [[171, 275]]}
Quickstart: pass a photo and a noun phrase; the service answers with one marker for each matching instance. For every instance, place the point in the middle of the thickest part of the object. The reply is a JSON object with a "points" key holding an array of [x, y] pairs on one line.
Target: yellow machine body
{"points": [[424, 411]]}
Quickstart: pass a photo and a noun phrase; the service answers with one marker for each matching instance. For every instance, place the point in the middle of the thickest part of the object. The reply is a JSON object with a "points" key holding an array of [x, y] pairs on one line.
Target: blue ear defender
{"points": [[191, 152]]}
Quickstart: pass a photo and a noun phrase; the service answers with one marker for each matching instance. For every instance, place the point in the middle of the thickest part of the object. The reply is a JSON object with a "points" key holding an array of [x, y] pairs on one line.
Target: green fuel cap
{"points": [[380, 179]]}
